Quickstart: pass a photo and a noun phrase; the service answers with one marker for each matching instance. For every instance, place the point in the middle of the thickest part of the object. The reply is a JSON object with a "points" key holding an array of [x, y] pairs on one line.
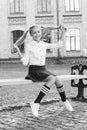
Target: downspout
{"points": [[57, 15]]}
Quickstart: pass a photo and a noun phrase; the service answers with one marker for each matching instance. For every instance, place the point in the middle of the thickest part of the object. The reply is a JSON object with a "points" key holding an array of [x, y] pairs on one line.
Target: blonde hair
{"points": [[31, 28]]}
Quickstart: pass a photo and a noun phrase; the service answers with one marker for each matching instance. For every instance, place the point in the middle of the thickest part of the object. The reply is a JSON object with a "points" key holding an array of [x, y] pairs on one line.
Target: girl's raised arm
{"points": [[24, 57], [58, 44], [21, 39]]}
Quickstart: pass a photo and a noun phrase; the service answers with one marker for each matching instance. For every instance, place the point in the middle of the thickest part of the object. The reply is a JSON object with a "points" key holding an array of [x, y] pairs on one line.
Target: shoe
{"points": [[34, 108], [68, 106]]}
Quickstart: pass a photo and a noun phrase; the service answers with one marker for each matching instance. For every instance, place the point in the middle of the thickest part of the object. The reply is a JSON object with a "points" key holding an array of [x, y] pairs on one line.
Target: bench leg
{"points": [[80, 95]]}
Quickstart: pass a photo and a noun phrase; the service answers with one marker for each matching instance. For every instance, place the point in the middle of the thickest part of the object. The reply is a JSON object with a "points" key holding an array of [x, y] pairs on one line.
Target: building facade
{"points": [[73, 15], [16, 16]]}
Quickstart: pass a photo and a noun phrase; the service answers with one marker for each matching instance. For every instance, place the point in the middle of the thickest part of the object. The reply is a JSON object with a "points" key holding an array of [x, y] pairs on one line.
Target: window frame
{"points": [[41, 11], [20, 8], [15, 35], [75, 37], [74, 6]]}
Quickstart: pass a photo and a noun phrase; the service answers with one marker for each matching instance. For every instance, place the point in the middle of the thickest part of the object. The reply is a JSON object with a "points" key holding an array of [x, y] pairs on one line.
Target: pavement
{"points": [[15, 112]]}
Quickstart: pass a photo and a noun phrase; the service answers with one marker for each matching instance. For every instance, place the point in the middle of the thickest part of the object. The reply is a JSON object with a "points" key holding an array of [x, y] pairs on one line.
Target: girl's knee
{"points": [[51, 80], [58, 82]]}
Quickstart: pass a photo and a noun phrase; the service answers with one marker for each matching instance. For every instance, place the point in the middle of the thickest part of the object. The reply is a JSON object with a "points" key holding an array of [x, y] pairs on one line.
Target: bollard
{"points": [[80, 85]]}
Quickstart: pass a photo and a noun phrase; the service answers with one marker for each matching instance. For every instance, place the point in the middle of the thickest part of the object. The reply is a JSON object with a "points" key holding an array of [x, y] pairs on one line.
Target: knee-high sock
{"points": [[43, 92], [62, 93]]}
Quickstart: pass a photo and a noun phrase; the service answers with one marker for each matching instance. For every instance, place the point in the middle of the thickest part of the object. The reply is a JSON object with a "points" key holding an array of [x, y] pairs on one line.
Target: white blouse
{"points": [[35, 52]]}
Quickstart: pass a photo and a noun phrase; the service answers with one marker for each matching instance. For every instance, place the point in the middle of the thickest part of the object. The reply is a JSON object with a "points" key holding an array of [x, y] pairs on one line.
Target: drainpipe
{"points": [[57, 15]]}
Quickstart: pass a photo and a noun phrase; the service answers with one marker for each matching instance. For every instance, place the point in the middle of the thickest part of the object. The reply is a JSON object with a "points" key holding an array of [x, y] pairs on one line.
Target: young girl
{"points": [[35, 55]]}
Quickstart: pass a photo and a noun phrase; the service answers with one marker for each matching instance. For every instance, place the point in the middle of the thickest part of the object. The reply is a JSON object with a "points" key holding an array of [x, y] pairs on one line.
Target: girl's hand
{"points": [[18, 50], [62, 32], [62, 28], [15, 46]]}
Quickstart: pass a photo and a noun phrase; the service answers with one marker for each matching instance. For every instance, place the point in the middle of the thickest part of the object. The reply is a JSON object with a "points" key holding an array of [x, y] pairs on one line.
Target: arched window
{"points": [[73, 39], [16, 6], [15, 35]]}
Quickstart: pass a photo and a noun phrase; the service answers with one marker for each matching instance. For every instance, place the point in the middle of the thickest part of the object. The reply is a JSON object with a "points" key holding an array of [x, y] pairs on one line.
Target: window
{"points": [[15, 35], [73, 40], [43, 6], [16, 6], [72, 5]]}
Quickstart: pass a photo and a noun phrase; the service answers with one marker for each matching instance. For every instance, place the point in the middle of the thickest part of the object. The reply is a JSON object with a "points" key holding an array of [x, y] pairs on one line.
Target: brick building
{"points": [[18, 15]]}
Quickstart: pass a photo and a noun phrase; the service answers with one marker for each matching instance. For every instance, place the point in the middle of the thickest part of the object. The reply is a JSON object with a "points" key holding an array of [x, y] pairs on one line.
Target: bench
{"points": [[81, 84], [18, 81]]}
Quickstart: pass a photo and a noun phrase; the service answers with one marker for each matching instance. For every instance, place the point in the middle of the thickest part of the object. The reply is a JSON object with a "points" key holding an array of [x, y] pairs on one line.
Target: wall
{"points": [[3, 30], [84, 27]]}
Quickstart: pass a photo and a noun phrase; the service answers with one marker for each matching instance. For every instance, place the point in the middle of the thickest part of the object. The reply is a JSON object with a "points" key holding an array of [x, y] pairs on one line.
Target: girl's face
{"points": [[36, 33]]}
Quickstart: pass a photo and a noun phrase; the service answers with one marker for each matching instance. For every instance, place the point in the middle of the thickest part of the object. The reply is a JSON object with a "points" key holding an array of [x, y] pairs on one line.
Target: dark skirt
{"points": [[37, 73]]}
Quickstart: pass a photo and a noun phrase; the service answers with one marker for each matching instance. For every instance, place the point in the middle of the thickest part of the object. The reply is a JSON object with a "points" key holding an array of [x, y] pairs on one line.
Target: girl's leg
{"points": [[61, 91], [44, 90]]}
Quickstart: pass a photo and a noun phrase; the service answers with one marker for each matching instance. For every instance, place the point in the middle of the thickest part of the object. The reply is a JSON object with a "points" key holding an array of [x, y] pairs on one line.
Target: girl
{"points": [[35, 55]]}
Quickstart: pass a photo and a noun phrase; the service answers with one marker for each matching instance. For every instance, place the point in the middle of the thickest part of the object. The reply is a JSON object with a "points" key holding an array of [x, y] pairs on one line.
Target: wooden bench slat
{"points": [[70, 77], [18, 81]]}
